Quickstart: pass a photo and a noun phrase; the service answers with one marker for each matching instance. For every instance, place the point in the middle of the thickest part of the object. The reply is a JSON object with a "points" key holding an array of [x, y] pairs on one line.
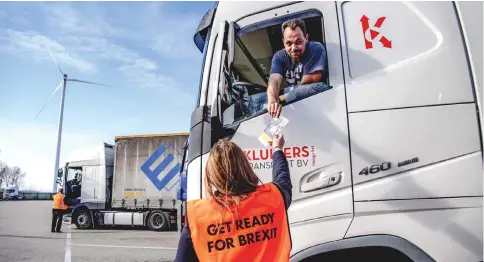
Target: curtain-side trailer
{"points": [[137, 182]]}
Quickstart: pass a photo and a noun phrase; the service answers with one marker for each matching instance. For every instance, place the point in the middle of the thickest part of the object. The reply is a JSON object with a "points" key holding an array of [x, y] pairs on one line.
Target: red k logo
{"points": [[371, 33]]}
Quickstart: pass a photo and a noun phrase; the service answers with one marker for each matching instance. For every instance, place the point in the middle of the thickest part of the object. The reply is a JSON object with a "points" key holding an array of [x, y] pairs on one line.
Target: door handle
{"points": [[321, 182]]}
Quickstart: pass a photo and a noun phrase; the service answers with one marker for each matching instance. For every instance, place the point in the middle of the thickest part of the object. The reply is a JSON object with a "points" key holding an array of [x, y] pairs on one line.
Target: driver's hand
{"points": [[274, 109]]}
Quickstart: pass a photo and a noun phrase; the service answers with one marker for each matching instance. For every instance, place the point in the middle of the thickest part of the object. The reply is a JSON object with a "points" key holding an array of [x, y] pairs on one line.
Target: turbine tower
{"points": [[61, 113]]}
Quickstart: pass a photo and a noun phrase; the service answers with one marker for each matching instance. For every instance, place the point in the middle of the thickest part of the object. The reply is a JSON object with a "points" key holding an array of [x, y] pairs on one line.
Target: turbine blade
{"points": [[52, 55], [55, 91], [87, 82]]}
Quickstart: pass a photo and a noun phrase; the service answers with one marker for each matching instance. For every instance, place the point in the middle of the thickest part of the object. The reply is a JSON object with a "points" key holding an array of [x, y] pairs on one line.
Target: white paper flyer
{"points": [[274, 128]]}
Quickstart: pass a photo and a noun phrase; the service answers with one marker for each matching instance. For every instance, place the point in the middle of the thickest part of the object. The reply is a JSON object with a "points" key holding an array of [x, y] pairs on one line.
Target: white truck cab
{"points": [[12, 193], [386, 160]]}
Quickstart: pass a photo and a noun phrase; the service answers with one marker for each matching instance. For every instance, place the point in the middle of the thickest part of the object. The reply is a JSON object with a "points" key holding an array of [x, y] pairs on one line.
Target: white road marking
{"points": [[91, 245], [67, 257]]}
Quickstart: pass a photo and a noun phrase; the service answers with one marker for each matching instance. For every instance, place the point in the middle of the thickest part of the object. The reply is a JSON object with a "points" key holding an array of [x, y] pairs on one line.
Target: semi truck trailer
{"points": [[132, 183]]}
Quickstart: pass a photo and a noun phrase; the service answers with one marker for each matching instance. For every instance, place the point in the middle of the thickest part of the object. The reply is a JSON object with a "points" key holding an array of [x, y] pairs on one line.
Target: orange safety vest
{"points": [[260, 232], [59, 202]]}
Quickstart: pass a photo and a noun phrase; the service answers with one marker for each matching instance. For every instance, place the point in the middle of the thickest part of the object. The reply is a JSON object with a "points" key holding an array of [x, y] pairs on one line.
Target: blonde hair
{"points": [[229, 176]]}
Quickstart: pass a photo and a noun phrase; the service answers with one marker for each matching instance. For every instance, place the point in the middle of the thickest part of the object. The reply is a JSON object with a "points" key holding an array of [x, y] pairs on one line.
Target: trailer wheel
{"points": [[82, 219], [158, 220]]}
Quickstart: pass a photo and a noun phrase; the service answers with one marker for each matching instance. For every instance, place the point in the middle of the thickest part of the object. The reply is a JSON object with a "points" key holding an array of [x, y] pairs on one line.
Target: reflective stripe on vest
{"points": [[59, 202], [259, 233]]}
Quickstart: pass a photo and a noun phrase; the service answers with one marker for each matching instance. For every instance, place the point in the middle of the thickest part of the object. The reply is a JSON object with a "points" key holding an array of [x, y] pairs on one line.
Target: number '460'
{"points": [[376, 168]]}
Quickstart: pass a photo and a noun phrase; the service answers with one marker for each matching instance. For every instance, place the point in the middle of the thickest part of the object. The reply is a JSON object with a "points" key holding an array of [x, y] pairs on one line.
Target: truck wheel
{"points": [[157, 220], [82, 219]]}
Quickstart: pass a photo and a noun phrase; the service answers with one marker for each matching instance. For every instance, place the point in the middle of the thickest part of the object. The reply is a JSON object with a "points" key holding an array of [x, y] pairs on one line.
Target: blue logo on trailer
{"points": [[153, 174]]}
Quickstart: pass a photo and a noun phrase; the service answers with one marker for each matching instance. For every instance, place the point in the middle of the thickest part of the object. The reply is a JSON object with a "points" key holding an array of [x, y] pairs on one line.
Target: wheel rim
{"points": [[157, 220], [82, 219]]}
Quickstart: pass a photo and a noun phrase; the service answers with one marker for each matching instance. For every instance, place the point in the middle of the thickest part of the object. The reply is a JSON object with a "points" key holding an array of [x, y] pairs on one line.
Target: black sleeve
{"points": [[185, 251], [281, 176]]}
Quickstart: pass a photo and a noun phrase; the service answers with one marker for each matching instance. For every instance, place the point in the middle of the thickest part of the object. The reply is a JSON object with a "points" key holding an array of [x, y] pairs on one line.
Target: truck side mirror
{"points": [[200, 37], [230, 45]]}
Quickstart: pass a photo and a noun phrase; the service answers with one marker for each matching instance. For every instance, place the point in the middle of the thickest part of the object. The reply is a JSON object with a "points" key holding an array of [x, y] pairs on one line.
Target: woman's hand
{"points": [[278, 142]]}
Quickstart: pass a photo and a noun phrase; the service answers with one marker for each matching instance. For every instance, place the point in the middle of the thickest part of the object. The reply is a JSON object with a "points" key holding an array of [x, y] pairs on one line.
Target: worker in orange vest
{"points": [[241, 219], [58, 210]]}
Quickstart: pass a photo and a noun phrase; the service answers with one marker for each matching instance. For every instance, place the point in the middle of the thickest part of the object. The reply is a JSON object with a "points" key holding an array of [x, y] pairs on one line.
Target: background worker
{"points": [[240, 219], [59, 208]]}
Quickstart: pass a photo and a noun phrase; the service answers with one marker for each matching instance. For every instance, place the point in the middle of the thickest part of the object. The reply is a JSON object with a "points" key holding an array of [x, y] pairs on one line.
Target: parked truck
{"points": [[133, 183], [12, 193], [385, 159]]}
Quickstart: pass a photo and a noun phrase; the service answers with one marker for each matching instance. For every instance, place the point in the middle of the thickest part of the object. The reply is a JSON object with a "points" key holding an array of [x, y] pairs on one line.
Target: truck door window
{"points": [[244, 91], [73, 184]]}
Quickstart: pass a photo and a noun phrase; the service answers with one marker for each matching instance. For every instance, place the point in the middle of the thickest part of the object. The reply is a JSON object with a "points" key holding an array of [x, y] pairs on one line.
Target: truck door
{"points": [[317, 139], [415, 144]]}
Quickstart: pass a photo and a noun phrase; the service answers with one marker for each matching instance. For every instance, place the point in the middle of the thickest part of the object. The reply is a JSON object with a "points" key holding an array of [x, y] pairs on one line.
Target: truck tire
{"points": [[158, 220], [82, 219]]}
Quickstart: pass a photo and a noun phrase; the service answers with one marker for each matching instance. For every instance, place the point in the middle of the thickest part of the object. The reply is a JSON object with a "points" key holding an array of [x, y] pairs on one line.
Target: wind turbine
{"points": [[61, 114]]}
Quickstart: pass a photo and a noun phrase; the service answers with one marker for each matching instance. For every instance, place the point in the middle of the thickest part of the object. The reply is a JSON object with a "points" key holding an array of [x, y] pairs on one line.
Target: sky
{"points": [[143, 50]]}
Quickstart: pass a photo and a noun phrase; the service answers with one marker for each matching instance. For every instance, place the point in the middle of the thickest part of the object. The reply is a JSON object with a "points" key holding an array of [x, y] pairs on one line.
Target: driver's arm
{"points": [[274, 85], [273, 88], [273, 106], [306, 79], [312, 78]]}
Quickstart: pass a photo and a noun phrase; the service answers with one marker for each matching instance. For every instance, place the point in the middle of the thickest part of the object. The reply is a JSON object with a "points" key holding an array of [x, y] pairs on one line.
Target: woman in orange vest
{"points": [[241, 219]]}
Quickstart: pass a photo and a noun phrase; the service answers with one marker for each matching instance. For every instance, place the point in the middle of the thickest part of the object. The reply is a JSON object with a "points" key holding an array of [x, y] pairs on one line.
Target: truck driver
{"points": [[300, 62]]}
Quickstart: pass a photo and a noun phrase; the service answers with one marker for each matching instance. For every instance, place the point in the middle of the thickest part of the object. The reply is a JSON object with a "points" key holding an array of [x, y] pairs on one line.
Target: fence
{"points": [[36, 195], [32, 195]]}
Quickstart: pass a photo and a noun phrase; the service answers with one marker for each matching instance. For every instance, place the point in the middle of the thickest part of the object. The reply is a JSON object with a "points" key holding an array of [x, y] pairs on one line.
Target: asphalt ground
{"points": [[25, 236]]}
